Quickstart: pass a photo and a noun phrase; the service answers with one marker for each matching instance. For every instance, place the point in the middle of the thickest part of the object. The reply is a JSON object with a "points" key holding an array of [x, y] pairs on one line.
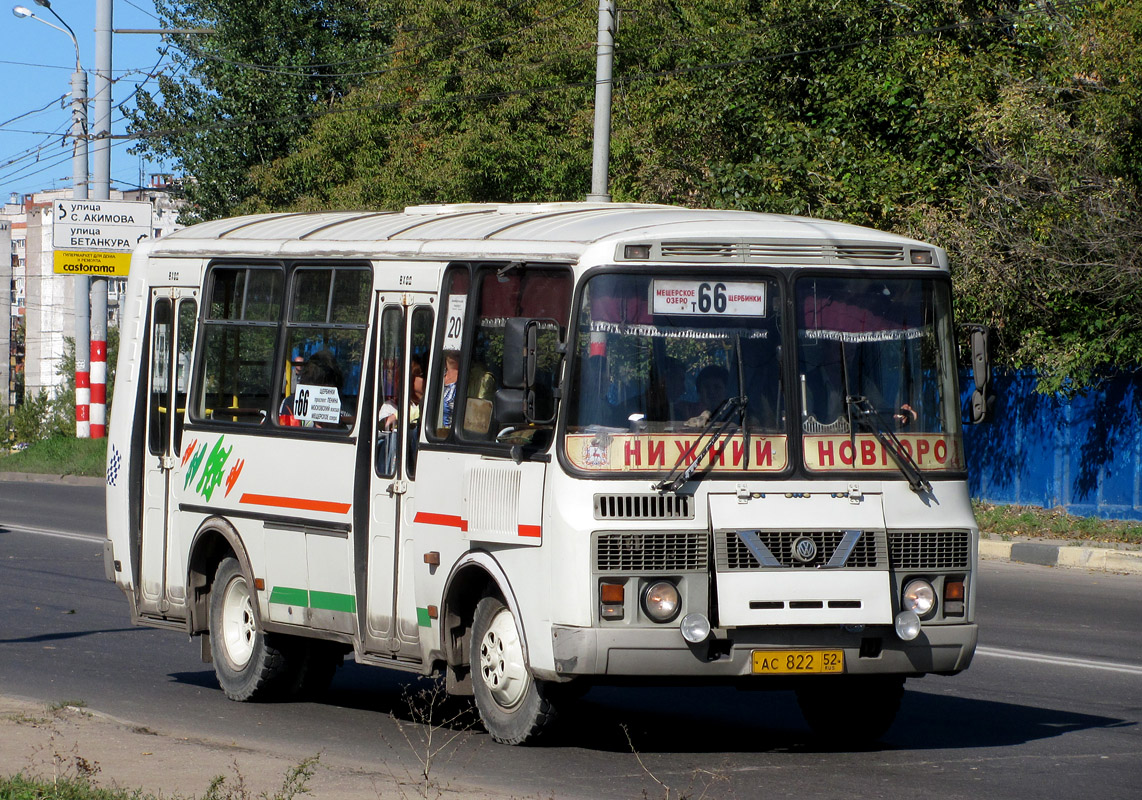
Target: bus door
{"points": [[391, 622], [162, 580]]}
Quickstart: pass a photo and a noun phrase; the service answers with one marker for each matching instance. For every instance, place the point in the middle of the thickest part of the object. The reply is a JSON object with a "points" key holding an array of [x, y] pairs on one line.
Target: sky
{"points": [[36, 63]]}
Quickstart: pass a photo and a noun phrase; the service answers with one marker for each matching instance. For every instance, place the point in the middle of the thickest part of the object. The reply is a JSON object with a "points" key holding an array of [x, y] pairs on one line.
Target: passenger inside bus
{"points": [[320, 369], [451, 376], [713, 389]]}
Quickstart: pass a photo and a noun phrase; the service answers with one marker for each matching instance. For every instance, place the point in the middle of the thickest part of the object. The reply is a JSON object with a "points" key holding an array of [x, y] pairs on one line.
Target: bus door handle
{"points": [[166, 463], [397, 487]]}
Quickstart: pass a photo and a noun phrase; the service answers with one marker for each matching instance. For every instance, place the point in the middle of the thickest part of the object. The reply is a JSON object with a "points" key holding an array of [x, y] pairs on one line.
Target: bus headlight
{"points": [[907, 625], [695, 628], [920, 597], [661, 601]]}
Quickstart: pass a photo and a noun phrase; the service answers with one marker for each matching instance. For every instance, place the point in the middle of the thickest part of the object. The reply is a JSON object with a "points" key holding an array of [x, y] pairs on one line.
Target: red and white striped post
{"points": [[98, 397]]}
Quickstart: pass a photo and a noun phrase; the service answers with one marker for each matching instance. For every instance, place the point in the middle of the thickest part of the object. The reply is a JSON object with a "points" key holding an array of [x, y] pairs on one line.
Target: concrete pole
{"points": [[604, 67], [79, 192], [101, 190], [82, 300]]}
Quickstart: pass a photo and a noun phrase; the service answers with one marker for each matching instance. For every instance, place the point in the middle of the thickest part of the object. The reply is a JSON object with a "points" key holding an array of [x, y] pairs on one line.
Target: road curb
{"points": [[35, 477], [1049, 554]]}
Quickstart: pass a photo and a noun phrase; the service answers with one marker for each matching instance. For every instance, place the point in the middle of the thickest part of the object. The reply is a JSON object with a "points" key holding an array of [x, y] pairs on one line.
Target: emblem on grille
{"points": [[805, 550]]}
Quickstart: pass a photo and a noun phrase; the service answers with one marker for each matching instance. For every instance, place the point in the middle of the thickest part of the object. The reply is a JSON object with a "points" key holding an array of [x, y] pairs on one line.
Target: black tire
{"points": [[513, 706], [249, 664], [850, 710]]}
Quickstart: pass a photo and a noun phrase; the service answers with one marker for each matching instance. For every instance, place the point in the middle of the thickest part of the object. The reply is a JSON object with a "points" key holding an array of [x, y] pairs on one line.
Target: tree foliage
{"points": [[1009, 131], [244, 92]]}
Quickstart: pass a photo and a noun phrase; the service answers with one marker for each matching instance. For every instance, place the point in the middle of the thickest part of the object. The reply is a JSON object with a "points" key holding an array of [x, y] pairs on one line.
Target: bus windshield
{"points": [[659, 357], [876, 355], [665, 363]]}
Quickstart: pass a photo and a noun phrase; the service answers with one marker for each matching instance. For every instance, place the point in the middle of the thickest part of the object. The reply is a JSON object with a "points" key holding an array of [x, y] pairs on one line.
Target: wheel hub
{"points": [[238, 628], [501, 661]]}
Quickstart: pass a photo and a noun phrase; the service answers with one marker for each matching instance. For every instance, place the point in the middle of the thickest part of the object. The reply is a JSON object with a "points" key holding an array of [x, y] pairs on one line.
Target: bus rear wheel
{"points": [[850, 710], [513, 705], [248, 663]]}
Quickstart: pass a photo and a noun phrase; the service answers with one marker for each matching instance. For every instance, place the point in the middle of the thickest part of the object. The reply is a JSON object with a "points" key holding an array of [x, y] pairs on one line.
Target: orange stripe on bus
{"points": [[450, 520], [531, 530], [295, 502]]}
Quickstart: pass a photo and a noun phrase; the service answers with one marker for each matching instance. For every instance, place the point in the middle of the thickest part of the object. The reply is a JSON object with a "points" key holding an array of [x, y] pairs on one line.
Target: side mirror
{"points": [[981, 400], [527, 342], [515, 357]]}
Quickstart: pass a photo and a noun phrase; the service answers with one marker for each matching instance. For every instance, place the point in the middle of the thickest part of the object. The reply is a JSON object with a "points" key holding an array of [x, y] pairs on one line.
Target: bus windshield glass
{"points": [[665, 362], [875, 355]]}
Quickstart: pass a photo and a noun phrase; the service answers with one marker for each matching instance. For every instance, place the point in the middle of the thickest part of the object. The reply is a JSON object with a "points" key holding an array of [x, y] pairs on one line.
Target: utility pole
{"points": [[79, 192], [604, 69], [101, 190]]}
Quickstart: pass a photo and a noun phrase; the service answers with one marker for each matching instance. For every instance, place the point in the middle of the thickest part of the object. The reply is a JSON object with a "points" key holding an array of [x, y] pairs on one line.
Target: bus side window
{"points": [[505, 291], [325, 331], [447, 366], [160, 413], [187, 314], [390, 390], [419, 343], [240, 333]]}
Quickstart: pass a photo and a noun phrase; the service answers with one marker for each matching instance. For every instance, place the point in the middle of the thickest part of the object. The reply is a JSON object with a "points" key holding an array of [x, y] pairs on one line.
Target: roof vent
{"points": [[703, 251]]}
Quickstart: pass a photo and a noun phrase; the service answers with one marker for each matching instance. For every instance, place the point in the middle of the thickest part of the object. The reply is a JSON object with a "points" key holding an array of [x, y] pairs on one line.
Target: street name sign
{"points": [[96, 237]]}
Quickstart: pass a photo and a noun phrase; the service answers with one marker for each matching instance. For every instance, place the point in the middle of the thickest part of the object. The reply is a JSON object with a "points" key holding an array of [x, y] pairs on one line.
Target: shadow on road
{"points": [[55, 637], [710, 720]]}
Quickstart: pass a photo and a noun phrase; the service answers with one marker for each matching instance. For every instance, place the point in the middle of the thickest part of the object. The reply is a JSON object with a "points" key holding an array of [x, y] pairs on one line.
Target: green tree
{"points": [[1049, 237], [242, 94], [477, 102]]}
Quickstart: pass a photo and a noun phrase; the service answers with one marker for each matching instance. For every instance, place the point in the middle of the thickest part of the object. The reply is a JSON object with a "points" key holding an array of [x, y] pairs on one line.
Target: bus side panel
{"points": [[290, 499]]}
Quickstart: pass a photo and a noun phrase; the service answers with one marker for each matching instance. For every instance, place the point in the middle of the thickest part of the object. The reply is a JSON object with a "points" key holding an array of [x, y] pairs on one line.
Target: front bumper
{"points": [[662, 652]]}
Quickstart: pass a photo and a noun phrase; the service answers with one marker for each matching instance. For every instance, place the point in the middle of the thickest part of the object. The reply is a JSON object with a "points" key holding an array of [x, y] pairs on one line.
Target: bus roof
{"points": [[548, 230]]}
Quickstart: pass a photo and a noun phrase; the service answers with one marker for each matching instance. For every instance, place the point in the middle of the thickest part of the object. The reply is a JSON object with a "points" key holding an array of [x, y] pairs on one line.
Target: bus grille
{"points": [[651, 552], [733, 554], [643, 506], [929, 549]]}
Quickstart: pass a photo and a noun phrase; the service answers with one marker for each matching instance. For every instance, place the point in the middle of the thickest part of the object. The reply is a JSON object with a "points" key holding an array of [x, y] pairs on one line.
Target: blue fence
{"points": [[1084, 454]]}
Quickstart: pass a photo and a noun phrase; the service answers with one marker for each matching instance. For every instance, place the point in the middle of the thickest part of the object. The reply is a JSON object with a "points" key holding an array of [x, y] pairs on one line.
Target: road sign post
{"points": [[96, 237]]}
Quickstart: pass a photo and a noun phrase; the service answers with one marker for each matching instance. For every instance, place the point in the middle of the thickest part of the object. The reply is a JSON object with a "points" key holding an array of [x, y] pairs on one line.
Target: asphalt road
{"points": [[1050, 707]]}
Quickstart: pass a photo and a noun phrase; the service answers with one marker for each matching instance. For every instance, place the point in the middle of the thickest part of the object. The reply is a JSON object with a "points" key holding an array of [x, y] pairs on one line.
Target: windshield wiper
{"points": [[864, 412], [723, 419]]}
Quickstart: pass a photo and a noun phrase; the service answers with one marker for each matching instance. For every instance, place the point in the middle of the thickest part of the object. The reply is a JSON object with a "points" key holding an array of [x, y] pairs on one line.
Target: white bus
{"points": [[534, 448]]}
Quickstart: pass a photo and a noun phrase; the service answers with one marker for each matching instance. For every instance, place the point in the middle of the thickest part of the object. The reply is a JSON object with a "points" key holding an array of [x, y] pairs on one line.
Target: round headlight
{"points": [[907, 625], [919, 596], [661, 601], [695, 628]]}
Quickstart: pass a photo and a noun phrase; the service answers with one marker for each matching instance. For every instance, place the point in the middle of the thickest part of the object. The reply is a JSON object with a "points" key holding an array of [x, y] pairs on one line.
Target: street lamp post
{"points": [[79, 192]]}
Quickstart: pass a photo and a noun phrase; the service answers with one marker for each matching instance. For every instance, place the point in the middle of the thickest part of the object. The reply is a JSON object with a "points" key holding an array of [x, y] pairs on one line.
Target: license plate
{"points": [[798, 662]]}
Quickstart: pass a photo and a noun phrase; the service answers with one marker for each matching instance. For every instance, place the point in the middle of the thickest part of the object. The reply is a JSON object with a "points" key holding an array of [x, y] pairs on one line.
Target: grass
{"points": [[1052, 523], [60, 455], [79, 784]]}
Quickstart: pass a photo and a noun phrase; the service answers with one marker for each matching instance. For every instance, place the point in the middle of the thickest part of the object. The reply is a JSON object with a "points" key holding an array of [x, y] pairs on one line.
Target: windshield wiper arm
{"points": [[723, 417], [888, 440]]}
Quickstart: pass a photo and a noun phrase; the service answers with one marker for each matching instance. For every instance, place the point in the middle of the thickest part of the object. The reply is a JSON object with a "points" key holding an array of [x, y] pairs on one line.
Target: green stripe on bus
{"points": [[422, 618], [286, 596], [332, 601]]}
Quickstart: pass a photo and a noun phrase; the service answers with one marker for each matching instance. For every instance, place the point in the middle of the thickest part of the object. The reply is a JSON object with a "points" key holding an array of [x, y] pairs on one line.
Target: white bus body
{"points": [[547, 537]]}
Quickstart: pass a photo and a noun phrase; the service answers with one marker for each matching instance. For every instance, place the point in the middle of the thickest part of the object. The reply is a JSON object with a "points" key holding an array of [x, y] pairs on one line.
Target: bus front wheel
{"points": [[248, 664], [513, 705]]}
